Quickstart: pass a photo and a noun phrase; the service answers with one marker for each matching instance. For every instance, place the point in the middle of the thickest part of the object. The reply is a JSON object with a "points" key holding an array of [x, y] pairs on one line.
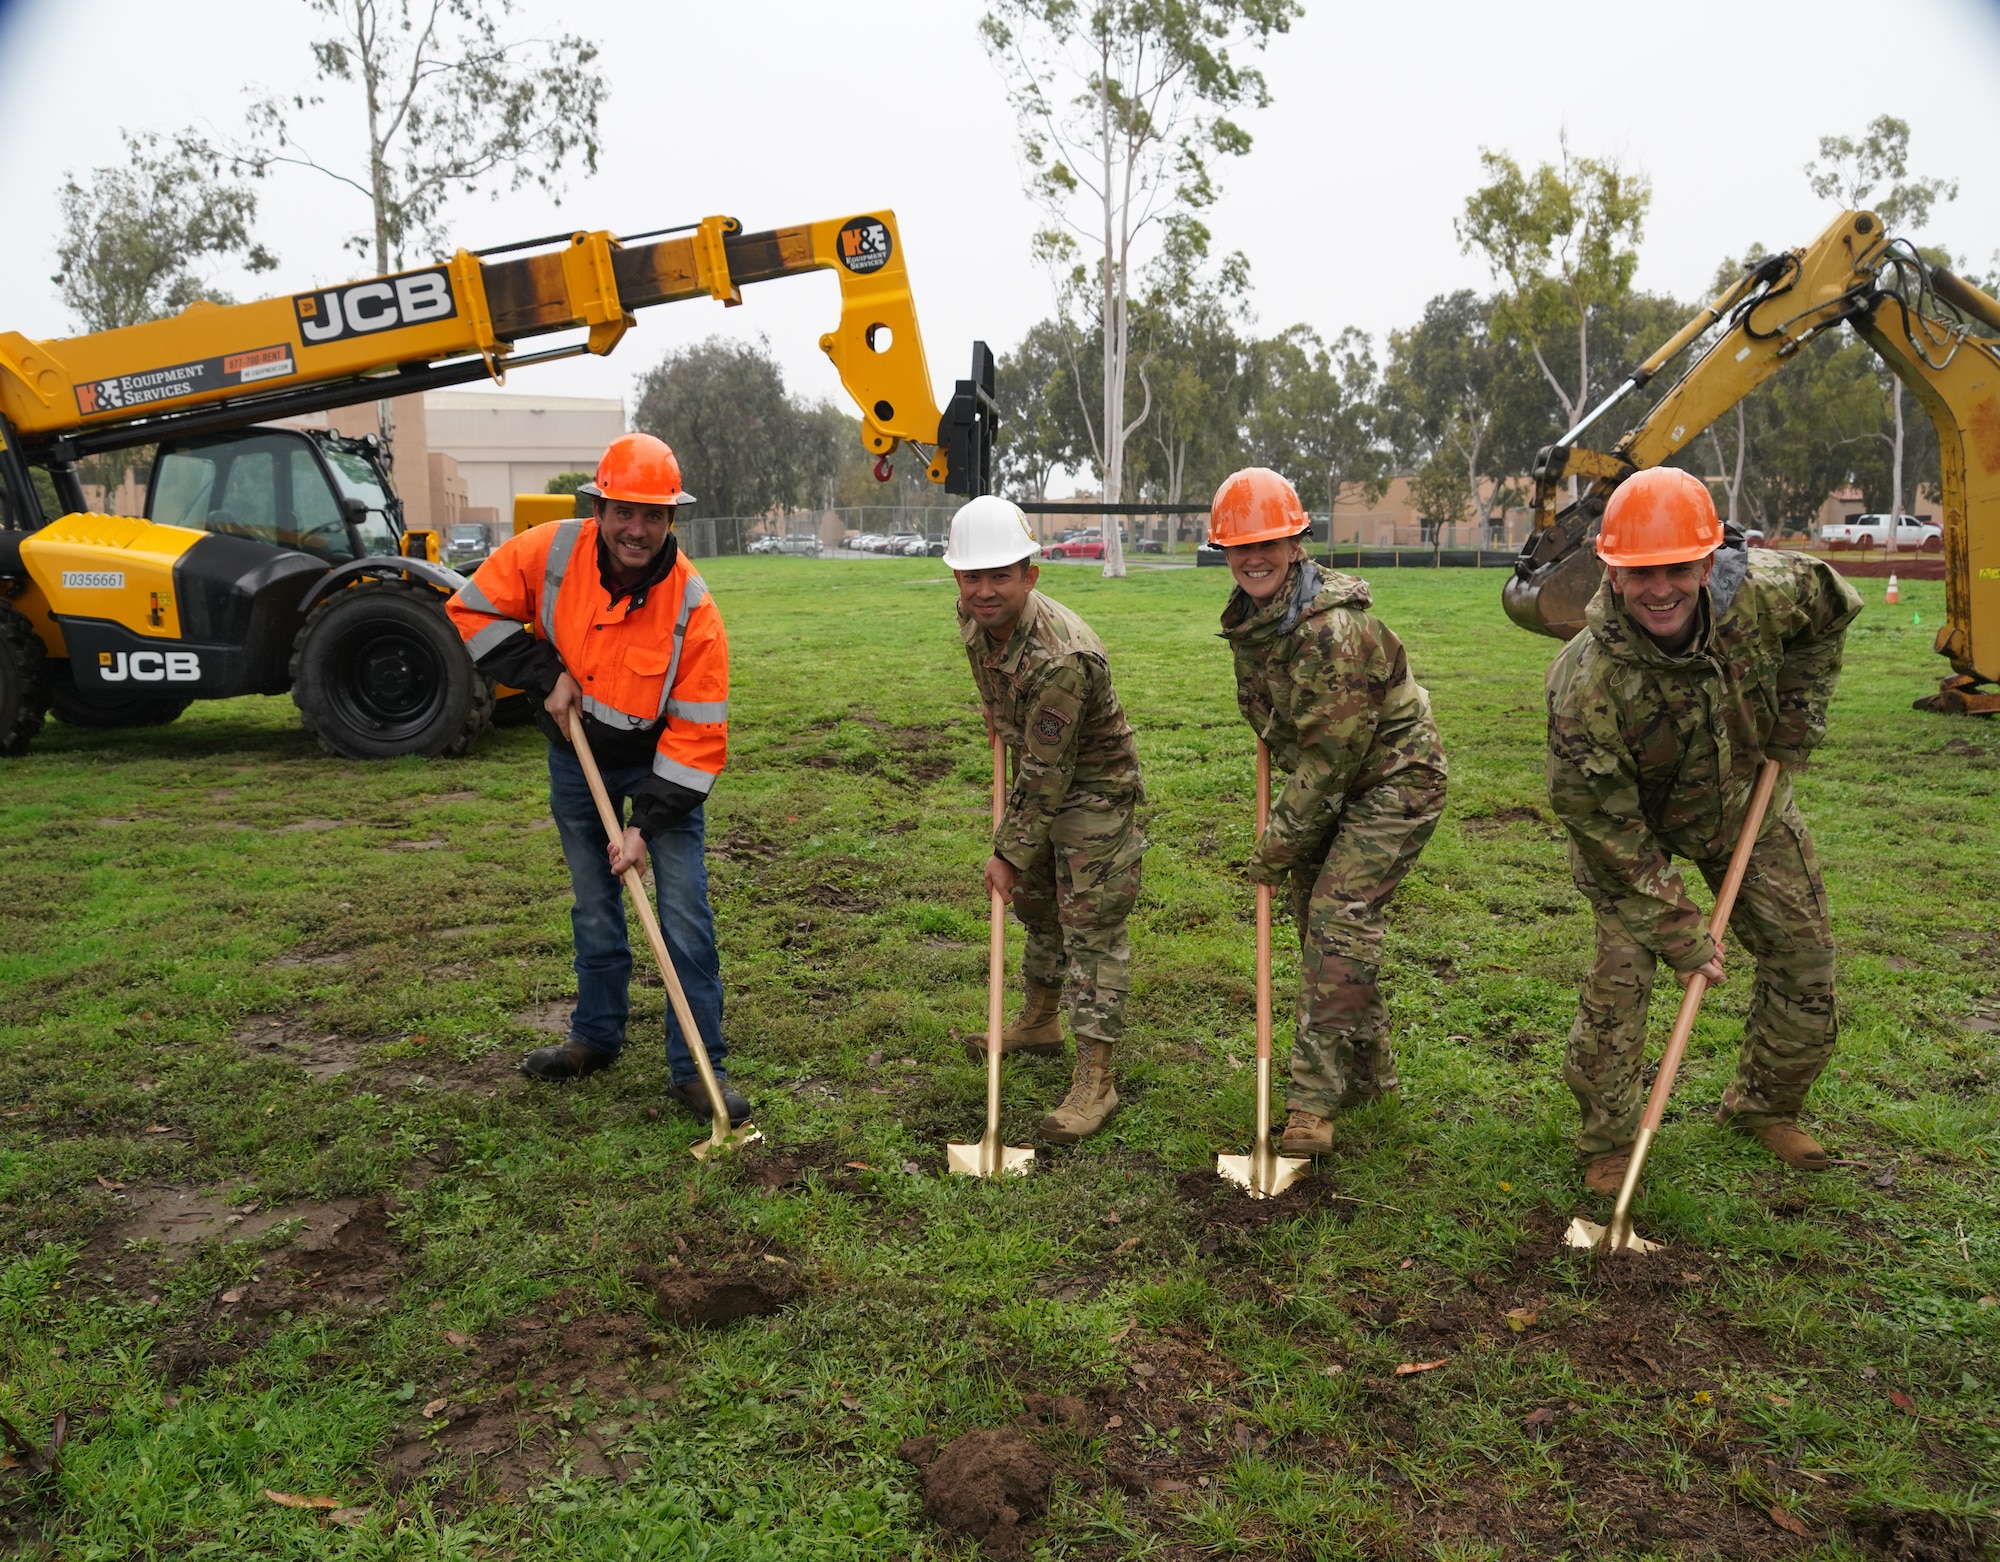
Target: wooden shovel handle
{"points": [[635, 886], [1263, 908], [996, 946], [1718, 922]]}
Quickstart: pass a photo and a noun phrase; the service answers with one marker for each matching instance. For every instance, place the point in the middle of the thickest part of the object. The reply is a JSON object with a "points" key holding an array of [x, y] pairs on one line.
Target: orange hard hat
{"points": [[1255, 505], [1662, 515], [638, 469]]}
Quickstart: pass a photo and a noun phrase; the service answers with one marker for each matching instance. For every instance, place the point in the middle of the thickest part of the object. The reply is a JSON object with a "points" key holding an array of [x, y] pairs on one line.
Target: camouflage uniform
{"points": [[1654, 756], [1068, 825], [1327, 685]]}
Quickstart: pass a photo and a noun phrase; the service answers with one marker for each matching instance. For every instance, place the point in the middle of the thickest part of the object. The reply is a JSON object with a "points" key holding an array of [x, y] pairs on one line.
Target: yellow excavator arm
{"points": [[218, 366], [1936, 332]]}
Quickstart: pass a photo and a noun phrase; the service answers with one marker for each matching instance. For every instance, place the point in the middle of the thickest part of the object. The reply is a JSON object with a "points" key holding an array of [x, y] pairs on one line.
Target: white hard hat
{"points": [[989, 533]]}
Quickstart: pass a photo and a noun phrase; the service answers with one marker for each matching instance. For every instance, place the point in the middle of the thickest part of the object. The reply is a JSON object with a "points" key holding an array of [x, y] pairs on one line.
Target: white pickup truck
{"points": [[1872, 531]]}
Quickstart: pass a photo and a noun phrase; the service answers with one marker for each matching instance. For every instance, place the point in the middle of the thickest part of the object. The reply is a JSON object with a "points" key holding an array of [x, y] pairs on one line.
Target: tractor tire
{"points": [[24, 682], [378, 671], [73, 708]]}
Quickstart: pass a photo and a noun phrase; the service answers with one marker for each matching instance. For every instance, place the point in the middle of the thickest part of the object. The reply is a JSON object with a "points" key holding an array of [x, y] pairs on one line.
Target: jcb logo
{"points": [[149, 666], [414, 298]]}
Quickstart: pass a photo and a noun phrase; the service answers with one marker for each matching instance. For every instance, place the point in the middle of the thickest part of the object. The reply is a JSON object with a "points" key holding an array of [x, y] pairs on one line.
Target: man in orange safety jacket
{"points": [[605, 616]]}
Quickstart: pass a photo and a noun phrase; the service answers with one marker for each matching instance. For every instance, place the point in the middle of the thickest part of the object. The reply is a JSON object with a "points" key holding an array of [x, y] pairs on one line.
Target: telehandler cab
{"points": [[276, 558]]}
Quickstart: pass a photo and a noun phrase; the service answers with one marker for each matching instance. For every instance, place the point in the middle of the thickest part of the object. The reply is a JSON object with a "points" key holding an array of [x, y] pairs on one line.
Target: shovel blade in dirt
{"points": [[986, 1159], [735, 1139], [1589, 1234], [1264, 1176]]}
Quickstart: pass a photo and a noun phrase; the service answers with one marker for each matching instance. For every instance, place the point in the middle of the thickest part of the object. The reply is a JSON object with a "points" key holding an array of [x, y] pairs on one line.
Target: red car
{"points": [[1077, 548]]}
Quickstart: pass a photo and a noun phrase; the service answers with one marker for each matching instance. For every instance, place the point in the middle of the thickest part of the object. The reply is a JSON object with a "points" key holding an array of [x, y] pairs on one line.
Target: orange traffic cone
{"points": [[1892, 595]]}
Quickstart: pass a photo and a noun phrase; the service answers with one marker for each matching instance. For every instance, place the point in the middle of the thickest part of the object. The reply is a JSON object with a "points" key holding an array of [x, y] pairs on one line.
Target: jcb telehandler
{"points": [[275, 558], [1939, 335]]}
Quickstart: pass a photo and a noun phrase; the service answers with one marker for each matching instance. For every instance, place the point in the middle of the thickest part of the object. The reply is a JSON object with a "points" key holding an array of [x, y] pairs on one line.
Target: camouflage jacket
{"points": [[1048, 692], [1653, 756], [1327, 686]]}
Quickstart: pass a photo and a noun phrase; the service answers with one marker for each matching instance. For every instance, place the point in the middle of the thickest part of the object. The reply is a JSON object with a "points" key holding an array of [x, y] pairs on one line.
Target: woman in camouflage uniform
{"points": [[1327, 686]]}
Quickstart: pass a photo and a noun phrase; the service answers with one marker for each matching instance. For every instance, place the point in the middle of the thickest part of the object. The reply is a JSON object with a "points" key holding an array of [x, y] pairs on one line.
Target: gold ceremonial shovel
{"points": [[989, 1157], [1263, 1171], [1619, 1235], [720, 1133]]}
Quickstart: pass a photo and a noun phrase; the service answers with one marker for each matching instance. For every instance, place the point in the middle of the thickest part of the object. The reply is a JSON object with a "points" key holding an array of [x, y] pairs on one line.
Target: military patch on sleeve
{"points": [[1051, 727]]}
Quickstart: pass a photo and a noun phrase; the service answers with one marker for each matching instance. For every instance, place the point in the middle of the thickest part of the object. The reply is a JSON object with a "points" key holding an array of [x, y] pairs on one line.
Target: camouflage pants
{"points": [[1788, 1035], [1339, 899], [1074, 899]]}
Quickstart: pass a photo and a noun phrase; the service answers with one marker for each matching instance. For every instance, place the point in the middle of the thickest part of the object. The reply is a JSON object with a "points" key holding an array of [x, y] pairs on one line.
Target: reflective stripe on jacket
{"points": [[659, 659]]}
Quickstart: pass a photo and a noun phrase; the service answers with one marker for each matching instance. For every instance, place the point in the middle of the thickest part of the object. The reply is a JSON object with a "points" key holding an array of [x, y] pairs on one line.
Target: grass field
{"points": [[276, 1214]]}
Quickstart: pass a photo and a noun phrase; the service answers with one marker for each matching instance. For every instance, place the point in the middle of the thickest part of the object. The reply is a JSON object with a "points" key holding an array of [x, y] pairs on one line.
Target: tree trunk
{"points": [[378, 189]]}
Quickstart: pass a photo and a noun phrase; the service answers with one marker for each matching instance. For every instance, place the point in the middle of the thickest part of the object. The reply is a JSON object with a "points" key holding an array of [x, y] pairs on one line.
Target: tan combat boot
{"points": [[1306, 1133], [1091, 1097], [1792, 1145], [1605, 1174], [1037, 1029]]}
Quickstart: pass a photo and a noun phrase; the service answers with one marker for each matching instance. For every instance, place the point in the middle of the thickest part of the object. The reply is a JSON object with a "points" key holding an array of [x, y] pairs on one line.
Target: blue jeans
{"points": [[597, 920]]}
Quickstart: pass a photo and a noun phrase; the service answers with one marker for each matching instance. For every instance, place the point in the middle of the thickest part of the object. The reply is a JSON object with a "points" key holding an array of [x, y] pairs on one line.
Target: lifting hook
{"points": [[883, 471]]}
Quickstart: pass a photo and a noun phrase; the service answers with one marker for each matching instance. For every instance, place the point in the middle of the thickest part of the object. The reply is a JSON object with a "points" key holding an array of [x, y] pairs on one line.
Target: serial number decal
{"points": [[184, 379], [93, 580], [336, 313]]}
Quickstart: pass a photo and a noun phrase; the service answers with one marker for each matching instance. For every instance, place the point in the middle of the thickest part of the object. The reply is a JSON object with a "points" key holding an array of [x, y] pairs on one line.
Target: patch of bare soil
{"points": [[341, 1256], [554, 1391], [178, 1217], [716, 1300], [322, 1054], [550, 1018], [1223, 1210], [989, 1484]]}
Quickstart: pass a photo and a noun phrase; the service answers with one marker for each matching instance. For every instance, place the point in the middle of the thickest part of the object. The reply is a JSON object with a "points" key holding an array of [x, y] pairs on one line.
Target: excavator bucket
{"points": [[1556, 575]]}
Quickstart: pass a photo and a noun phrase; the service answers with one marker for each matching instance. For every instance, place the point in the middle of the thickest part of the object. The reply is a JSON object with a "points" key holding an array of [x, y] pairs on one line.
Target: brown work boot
{"points": [[1792, 1145], [1091, 1098], [1037, 1029], [571, 1060], [1605, 1174], [1306, 1133]]}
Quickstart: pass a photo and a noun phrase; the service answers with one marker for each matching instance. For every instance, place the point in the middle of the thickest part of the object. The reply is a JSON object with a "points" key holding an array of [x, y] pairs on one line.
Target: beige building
{"points": [[504, 444]]}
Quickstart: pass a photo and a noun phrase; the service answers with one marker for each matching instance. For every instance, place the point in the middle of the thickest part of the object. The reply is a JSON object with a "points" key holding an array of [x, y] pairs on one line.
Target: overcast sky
{"points": [[783, 111]]}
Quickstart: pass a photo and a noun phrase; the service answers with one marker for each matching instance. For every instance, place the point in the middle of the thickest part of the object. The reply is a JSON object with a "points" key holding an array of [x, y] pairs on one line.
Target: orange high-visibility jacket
{"points": [[666, 661]]}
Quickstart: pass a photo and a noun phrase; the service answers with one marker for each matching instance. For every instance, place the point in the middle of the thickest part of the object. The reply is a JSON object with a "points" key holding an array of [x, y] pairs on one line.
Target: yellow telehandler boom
{"points": [[273, 558], [1938, 333]]}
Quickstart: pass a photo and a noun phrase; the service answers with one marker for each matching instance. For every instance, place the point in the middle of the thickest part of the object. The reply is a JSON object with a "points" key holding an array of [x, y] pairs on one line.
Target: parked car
{"points": [[1081, 547], [467, 544], [903, 544], [869, 542], [1149, 545], [1209, 553], [804, 547], [1872, 531], [934, 548], [763, 545]]}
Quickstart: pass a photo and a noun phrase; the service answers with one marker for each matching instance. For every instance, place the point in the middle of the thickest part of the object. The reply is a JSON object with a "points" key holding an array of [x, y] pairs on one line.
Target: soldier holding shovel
{"points": [[1067, 848], [1326, 685], [1700, 661]]}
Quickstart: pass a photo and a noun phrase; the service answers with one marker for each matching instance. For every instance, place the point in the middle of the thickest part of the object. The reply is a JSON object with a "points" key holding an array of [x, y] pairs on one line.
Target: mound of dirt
{"points": [[991, 1485], [716, 1300], [1216, 1202], [345, 1255]]}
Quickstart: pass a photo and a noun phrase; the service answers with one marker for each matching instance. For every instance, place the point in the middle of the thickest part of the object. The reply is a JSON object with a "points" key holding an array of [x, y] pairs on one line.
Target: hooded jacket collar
{"points": [[1307, 590]]}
